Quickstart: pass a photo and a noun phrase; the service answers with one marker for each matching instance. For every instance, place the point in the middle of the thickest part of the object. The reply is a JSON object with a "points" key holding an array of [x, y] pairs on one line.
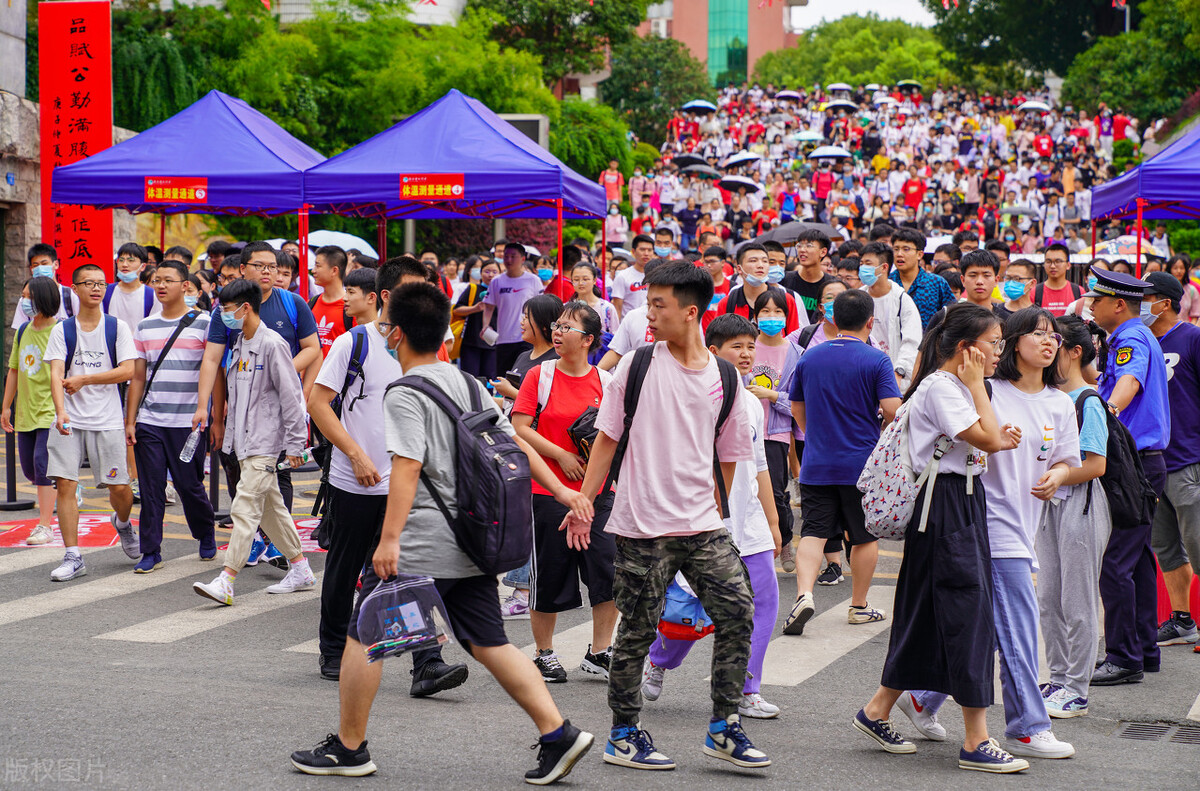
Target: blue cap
{"points": [[1117, 284]]}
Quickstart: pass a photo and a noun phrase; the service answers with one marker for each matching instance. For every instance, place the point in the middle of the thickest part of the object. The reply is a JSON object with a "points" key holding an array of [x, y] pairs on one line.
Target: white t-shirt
{"points": [[633, 333], [628, 286], [19, 317], [364, 420], [131, 308], [943, 406], [1049, 435], [747, 522], [509, 295], [95, 407]]}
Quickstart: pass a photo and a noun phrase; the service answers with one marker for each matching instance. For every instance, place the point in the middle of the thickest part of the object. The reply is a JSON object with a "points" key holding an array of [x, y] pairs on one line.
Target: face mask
{"points": [[26, 306], [662, 252], [44, 270], [546, 275], [637, 172], [391, 352], [1091, 282], [775, 274], [1010, 238], [127, 277], [228, 319], [1014, 289], [1147, 316], [829, 311], [190, 300], [867, 275], [751, 280], [614, 212], [771, 326]]}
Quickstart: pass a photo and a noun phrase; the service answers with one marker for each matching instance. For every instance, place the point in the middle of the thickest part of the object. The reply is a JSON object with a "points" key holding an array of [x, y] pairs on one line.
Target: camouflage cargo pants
{"points": [[644, 569]]}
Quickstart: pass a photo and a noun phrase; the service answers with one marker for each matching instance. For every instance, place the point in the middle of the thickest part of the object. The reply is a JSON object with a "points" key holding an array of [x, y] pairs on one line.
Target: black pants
{"points": [[354, 522], [233, 474], [777, 467], [478, 361]]}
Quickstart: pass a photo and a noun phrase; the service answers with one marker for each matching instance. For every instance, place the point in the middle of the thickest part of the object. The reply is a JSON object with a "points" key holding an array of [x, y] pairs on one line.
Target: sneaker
{"points": [[754, 707], [802, 611], [436, 676], [208, 549], [514, 606], [1049, 689], [331, 757], [596, 664], [137, 490], [275, 558], [129, 538], [988, 757], [297, 579], [1065, 704], [1109, 675], [548, 665], [330, 667], [883, 732], [172, 497], [726, 740], [629, 745], [70, 568], [787, 558], [257, 548], [148, 563], [652, 680], [1039, 745], [39, 535], [832, 574], [865, 614], [1175, 631], [924, 720], [556, 759], [218, 590]]}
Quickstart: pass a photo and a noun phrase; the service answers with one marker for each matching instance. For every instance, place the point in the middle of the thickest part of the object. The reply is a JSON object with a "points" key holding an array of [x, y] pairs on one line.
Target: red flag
{"points": [[267, 4]]}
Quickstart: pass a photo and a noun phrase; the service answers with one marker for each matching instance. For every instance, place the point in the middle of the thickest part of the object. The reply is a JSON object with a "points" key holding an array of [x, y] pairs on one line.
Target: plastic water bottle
{"points": [[189, 447], [305, 458]]}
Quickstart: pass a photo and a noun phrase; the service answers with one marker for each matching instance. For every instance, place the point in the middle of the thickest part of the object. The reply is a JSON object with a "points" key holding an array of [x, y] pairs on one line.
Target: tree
{"points": [[650, 78], [1043, 35], [587, 135], [568, 35]]}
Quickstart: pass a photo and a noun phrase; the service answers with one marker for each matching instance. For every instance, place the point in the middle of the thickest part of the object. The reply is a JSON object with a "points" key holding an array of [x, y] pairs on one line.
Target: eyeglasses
{"points": [[904, 248], [385, 328], [94, 285], [264, 267], [1018, 279], [558, 326], [1041, 335], [156, 282], [997, 346], [128, 259]]}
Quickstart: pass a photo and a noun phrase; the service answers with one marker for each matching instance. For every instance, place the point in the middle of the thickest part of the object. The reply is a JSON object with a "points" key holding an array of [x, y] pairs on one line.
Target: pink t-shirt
{"points": [[666, 485]]}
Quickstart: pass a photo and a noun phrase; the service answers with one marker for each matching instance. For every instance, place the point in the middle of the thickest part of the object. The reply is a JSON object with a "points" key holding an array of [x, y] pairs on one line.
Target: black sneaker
{"points": [[832, 574], [331, 757], [596, 664], [331, 667], [557, 758], [436, 676], [551, 669]]}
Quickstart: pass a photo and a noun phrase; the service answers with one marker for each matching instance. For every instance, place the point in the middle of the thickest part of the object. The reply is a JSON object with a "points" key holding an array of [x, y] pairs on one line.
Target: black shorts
{"points": [[831, 511], [557, 570], [473, 604]]}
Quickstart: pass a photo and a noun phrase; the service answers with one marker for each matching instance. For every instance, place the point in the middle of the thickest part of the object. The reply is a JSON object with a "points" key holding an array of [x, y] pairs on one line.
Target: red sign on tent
{"points": [[163, 189], [432, 185]]}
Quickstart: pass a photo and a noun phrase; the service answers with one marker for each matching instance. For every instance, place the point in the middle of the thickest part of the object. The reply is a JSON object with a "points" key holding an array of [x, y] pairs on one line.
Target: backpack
{"points": [[1076, 293], [68, 306], [147, 299], [806, 336], [347, 319], [1131, 499], [730, 385], [683, 617], [493, 488], [323, 452], [71, 338]]}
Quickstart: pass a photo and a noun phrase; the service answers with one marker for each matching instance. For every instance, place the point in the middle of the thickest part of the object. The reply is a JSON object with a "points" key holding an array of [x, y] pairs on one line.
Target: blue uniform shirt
{"points": [[1134, 351]]}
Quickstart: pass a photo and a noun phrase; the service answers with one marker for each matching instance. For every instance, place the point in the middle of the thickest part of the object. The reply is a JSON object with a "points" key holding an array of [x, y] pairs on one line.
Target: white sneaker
{"points": [[40, 535], [865, 614], [70, 568], [802, 610], [925, 721], [296, 579], [218, 590], [129, 537], [172, 498], [755, 707], [1039, 745], [652, 680]]}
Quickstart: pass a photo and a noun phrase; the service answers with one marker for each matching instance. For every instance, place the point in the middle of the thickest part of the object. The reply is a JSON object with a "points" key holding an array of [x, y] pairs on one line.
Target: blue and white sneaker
{"points": [[1065, 704], [883, 733], [1049, 689], [726, 740], [257, 549], [70, 568], [631, 746], [129, 537], [275, 558], [988, 757]]}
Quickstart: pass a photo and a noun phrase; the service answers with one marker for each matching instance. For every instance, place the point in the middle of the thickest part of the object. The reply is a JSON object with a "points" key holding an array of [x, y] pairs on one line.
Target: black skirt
{"points": [[943, 632]]}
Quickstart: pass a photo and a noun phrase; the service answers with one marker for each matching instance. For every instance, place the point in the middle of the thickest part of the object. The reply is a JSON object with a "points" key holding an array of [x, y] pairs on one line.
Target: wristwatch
{"points": [[901, 373]]}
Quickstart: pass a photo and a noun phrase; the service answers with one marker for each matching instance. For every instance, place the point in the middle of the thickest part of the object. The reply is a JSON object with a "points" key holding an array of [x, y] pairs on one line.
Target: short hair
{"points": [[386, 277], [995, 245], [256, 247], [980, 258], [772, 246], [880, 230], [366, 261], [813, 235], [952, 277], [951, 250], [664, 230], [84, 267], [175, 266], [236, 292], [964, 236], [406, 265], [520, 248], [154, 252], [852, 309], [41, 249], [45, 295], [422, 312], [134, 249], [849, 248], [716, 251], [1059, 247], [586, 315], [571, 255], [1025, 262], [691, 285], [501, 241], [218, 247], [772, 296], [849, 263], [335, 257], [878, 249], [182, 252], [363, 279], [746, 248], [286, 261], [726, 327], [910, 235]]}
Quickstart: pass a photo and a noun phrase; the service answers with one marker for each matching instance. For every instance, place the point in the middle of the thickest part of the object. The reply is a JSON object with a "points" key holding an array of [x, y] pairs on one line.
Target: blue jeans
{"points": [[518, 578]]}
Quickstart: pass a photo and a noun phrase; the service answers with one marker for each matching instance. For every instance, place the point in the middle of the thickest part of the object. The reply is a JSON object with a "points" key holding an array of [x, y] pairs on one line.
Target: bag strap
{"points": [[355, 368], [806, 336], [185, 321], [110, 338], [70, 339], [633, 389], [1086, 394], [21, 331], [108, 293], [729, 394], [68, 305], [147, 301]]}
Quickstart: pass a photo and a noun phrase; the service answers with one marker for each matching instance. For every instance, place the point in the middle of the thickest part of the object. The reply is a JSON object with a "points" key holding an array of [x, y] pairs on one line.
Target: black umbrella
{"points": [[734, 183], [702, 170], [687, 160], [787, 233]]}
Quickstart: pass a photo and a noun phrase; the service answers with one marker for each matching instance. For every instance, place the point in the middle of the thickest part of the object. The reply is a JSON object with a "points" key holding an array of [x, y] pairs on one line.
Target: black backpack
{"points": [[493, 487], [1131, 499], [633, 390]]}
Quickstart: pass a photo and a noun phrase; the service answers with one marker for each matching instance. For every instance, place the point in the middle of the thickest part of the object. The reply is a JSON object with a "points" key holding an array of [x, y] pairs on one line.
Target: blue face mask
{"points": [[476, 274], [751, 280], [867, 274], [44, 270], [127, 277], [775, 274], [771, 326], [391, 352], [1146, 315], [26, 306], [662, 252], [1014, 289], [1092, 280], [190, 300], [546, 275], [228, 319], [829, 311]]}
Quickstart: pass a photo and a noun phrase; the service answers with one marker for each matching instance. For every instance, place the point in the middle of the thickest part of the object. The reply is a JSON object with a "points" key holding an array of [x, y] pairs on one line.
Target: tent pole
{"points": [[1138, 230], [1093, 236], [604, 256], [302, 265], [381, 238], [561, 274], [162, 231]]}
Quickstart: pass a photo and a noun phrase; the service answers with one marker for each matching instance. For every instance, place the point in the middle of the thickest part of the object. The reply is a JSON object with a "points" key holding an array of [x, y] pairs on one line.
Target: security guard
{"points": [[1134, 383]]}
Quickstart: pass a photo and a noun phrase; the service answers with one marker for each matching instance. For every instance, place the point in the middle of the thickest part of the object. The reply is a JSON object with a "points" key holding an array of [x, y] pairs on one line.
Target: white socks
{"points": [[73, 551]]}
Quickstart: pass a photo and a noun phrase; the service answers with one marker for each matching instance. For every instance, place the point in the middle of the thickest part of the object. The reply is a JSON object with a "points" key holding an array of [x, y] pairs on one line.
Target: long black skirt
{"points": [[943, 632]]}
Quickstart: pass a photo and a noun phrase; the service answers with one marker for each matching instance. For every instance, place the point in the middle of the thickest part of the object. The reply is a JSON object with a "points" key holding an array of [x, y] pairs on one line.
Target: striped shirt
{"points": [[172, 398]]}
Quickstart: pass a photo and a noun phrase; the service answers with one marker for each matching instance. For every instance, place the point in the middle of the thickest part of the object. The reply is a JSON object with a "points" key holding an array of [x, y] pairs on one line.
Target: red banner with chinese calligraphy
{"points": [[447, 186], [176, 189], [75, 79]]}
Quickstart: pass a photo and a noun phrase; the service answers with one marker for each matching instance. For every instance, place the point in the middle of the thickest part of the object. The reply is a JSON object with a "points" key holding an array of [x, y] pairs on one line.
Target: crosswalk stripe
{"points": [[1194, 711], [21, 559], [312, 646], [791, 661], [176, 626]]}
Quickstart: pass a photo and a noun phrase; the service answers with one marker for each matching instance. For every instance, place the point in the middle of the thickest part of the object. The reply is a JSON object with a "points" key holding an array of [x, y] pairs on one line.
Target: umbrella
{"points": [[885, 100], [734, 183], [788, 95], [702, 170], [346, 241], [700, 104], [279, 243], [621, 252], [741, 158], [1122, 245], [1034, 106], [1021, 210], [829, 152], [873, 86], [839, 86], [934, 242], [533, 251], [807, 136], [841, 104], [787, 233], [908, 84], [688, 160]]}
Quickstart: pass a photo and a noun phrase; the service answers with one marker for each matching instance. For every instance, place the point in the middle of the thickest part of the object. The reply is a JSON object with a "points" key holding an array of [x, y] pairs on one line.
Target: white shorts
{"points": [[105, 450]]}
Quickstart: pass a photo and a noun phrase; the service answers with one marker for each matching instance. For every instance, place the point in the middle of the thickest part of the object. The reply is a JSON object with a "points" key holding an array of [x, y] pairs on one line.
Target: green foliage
{"points": [[651, 77], [587, 135], [568, 35], [644, 155], [1125, 153], [576, 229], [857, 49], [1185, 237]]}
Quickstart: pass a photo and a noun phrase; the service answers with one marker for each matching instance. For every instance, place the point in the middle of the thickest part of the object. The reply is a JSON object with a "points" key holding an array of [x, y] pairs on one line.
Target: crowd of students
{"points": [[772, 376]]}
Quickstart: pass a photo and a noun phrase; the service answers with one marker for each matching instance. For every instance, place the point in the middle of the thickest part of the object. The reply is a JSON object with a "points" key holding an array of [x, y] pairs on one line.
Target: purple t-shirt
{"points": [[1181, 351], [509, 295]]}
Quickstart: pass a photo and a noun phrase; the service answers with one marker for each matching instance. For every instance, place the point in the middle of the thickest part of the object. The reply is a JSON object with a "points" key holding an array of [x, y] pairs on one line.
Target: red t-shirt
{"points": [[719, 293], [1043, 145], [914, 193], [569, 396], [742, 308], [822, 183], [1057, 300], [331, 322]]}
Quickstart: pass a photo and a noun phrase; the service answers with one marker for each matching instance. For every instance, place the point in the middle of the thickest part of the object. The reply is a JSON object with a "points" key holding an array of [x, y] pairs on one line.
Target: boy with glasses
{"points": [[1016, 286]]}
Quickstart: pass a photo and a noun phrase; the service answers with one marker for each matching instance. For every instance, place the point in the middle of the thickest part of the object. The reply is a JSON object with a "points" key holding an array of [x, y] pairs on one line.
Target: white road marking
{"points": [[1194, 711], [21, 559], [312, 646]]}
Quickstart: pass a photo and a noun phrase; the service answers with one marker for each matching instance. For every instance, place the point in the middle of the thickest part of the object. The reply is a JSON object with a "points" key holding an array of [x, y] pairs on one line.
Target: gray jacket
{"points": [[266, 401]]}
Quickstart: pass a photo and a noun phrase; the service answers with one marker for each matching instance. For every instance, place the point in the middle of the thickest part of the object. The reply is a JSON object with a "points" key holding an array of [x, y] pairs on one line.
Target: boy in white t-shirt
{"points": [[506, 297], [89, 355]]}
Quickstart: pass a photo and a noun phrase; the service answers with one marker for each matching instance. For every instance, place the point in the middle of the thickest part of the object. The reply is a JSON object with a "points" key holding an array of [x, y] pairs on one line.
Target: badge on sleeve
{"points": [[1124, 354]]}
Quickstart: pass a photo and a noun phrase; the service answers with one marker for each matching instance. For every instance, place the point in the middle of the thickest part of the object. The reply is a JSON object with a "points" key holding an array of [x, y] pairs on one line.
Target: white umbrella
{"points": [[788, 95], [829, 152], [885, 100], [839, 86], [700, 104], [934, 242], [278, 245], [807, 136], [841, 104], [732, 183], [533, 251], [741, 158], [872, 86], [1034, 106], [346, 241]]}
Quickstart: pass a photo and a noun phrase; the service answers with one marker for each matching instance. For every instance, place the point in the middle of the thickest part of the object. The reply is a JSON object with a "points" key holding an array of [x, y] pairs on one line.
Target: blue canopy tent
{"points": [[1164, 187], [454, 159]]}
